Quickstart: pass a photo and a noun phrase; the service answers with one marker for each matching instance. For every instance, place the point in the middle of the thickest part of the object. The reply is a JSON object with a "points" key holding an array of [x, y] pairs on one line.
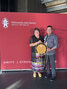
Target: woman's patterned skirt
{"points": [[39, 64]]}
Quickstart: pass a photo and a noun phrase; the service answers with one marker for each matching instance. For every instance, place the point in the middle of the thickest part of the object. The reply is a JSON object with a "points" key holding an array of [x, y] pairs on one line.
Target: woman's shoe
{"points": [[40, 75], [34, 75]]}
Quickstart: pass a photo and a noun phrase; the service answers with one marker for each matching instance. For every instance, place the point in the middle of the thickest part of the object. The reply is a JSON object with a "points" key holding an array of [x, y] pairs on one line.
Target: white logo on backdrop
{"points": [[5, 23]]}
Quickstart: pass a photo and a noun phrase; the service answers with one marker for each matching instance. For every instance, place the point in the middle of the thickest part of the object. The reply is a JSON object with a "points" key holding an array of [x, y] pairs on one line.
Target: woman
{"points": [[37, 63]]}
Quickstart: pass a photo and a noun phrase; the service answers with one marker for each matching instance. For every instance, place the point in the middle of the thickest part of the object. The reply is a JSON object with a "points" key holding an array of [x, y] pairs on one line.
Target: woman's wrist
{"points": [[36, 43]]}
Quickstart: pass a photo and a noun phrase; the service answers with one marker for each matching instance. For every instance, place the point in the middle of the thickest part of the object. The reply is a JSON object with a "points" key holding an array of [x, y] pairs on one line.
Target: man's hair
{"points": [[49, 26], [36, 29]]}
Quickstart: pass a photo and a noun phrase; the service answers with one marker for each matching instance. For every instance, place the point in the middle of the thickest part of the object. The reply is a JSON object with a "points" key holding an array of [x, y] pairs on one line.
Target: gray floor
{"points": [[24, 80]]}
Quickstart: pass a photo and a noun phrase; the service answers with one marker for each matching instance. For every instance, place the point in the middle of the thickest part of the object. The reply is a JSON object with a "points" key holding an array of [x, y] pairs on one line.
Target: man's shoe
{"points": [[53, 78], [47, 76]]}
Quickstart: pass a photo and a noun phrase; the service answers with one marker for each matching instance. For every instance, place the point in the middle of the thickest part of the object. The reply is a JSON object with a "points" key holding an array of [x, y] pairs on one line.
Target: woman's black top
{"points": [[33, 39]]}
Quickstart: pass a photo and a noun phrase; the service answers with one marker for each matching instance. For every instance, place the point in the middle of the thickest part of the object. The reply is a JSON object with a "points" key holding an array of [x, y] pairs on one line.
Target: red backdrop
{"points": [[15, 32]]}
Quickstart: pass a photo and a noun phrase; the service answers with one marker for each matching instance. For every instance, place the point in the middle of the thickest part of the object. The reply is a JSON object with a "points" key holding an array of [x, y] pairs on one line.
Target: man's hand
{"points": [[48, 49]]}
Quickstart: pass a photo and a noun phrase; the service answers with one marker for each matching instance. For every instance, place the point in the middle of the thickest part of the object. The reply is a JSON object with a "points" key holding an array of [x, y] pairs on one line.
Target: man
{"points": [[51, 42]]}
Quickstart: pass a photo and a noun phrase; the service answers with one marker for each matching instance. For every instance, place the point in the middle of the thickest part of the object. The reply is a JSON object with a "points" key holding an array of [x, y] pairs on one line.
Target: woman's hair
{"points": [[36, 29]]}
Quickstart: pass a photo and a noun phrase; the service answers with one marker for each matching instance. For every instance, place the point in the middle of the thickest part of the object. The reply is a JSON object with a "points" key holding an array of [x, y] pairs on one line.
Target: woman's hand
{"points": [[39, 42], [36, 43]]}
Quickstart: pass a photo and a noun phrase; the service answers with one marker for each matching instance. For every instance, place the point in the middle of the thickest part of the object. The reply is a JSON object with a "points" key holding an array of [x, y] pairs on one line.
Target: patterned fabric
{"points": [[39, 64]]}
